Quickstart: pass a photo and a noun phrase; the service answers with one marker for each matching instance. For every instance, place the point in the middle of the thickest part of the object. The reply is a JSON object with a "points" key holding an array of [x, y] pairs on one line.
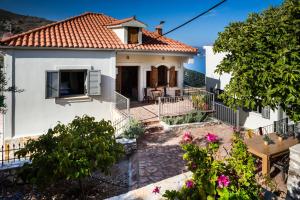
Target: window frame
{"points": [[46, 82], [59, 71], [129, 34]]}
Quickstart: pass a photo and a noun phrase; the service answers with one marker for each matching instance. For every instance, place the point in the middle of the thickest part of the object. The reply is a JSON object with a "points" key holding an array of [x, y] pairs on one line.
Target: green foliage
{"points": [[191, 117], [239, 167], [199, 101], [263, 59], [134, 129], [71, 151], [3, 86], [266, 138]]}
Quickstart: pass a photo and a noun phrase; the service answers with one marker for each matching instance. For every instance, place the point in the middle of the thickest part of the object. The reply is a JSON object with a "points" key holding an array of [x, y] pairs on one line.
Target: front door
{"points": [[127, 81]]}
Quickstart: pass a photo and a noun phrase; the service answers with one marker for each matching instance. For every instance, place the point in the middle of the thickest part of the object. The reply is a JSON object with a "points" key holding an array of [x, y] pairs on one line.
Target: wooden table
{"points": [[277, 148]]}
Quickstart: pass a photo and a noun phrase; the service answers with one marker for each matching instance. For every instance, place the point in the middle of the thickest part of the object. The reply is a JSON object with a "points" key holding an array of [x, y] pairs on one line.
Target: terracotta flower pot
{"points": [[266, 142], [280, 138]]}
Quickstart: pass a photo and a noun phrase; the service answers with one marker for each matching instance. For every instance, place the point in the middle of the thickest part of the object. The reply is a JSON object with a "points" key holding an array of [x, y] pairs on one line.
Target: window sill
{"points": [[73, 99]]}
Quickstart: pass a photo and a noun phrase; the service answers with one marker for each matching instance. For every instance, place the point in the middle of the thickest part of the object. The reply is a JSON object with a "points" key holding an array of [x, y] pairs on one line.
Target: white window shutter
{"points": [[52, 84], [94, 82], [265, 113]]}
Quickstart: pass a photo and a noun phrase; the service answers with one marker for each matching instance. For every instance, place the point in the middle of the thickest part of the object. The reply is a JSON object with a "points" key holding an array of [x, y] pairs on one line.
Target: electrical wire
{"points": [[185, 23]]}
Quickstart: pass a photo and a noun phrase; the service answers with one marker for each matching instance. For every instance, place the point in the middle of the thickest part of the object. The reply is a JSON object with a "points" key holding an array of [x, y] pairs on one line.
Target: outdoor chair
{"points": [[146, 98], [165, 92], [282, 164], [178, 94]]}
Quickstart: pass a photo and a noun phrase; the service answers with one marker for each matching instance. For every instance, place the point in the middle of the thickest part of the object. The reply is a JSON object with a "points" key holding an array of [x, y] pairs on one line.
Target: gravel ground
{"points": [[99, 186]]}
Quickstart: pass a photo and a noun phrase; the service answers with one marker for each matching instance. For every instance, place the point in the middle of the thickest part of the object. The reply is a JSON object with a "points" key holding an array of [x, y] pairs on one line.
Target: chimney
{"points": [[158, 29]]}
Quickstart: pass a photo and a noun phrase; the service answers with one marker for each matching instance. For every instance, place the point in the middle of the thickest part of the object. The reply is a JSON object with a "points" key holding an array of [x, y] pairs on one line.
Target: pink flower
{"points": [[156, 190], [187, 136], [211, 137], [223, 181], [189, 184], [194, 165]]}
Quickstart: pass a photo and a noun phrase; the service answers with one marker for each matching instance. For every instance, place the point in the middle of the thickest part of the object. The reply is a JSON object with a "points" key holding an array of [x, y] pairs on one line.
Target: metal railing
{"points": [[122, 103], [188, 90], [226, 115], [282, 127], [122, 106], [200, 100], [8, 157], [120, 124]]}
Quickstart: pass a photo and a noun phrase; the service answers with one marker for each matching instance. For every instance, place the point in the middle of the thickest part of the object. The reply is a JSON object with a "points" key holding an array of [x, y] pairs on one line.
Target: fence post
{"points": [[213, 102], [128, 106], [275, 126]]}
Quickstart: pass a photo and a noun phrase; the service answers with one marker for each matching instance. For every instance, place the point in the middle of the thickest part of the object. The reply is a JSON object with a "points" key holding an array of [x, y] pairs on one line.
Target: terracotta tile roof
{"points": [[121, 21], [90, 30]]}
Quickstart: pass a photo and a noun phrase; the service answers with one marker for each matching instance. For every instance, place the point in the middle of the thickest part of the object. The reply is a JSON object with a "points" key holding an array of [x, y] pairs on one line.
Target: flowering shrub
{"points": [[231, 178], [187, 137]]}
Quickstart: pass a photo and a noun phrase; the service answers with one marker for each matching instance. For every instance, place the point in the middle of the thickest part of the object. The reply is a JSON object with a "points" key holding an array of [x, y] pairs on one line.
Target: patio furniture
{"points": [[165, 92], [177, 93], [156, 94], [283, 165], [146, 97], [274, 150]]}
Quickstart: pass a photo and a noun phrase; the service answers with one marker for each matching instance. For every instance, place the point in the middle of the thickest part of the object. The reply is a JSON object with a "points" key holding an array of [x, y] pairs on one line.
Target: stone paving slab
{"points": [[160, 154], [145, 193]]}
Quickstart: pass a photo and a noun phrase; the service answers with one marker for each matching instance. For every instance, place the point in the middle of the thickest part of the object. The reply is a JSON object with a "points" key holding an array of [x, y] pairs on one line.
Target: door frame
{"points": [[119, 74]]}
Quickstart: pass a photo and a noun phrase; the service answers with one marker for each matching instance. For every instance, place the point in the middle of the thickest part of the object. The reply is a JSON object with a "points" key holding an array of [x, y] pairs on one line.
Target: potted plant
{"points": [[267, 139], [280, 136]]}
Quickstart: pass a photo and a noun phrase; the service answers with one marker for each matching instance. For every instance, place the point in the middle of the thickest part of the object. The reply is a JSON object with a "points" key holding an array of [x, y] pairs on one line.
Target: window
{"points": [[52, 84], [133, 35], [72, 83], [66, 83], [162, 75]]}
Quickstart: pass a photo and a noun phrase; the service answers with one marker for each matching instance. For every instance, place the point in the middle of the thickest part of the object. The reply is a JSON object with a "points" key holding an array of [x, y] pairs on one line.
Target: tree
{"points": [[263, 59], [3, 86], [71, 152]]}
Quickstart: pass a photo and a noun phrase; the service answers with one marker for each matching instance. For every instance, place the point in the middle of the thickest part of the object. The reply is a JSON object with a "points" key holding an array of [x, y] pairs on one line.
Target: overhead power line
{"points": [[194, 18], [187, 22]]}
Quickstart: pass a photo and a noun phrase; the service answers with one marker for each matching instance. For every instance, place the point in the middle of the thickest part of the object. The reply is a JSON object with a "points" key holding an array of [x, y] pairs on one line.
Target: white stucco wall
{"points": [[121, 32], [253, 120], [145, 61], [214, 80], [33, 113]]}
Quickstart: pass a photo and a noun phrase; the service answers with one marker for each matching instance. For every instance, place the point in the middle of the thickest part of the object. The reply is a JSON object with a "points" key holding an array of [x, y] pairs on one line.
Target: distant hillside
{"points": [[193, 78], [19, 23]]}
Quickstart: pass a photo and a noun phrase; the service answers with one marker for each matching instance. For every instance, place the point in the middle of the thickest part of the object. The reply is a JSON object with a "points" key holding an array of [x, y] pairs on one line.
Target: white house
{"points": [[73, 67], [253, 119]]}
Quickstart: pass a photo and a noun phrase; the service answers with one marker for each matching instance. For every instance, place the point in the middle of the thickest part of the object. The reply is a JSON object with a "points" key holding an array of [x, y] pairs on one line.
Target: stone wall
{"points": [[293, 182], [145, 193], [209, 122]]}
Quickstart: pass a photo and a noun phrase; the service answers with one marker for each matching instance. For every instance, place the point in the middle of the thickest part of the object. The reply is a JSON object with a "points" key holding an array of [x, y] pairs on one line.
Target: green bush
{"points": [[134, 129], [194, 116], [232, 178], [71, 152]]}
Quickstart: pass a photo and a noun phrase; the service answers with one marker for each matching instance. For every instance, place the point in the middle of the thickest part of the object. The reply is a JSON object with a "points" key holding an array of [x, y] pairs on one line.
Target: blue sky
{"points": [[201, 32]]}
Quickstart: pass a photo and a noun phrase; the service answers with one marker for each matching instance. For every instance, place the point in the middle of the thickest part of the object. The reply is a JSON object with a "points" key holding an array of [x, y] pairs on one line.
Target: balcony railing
{"points": [[200, 100]]}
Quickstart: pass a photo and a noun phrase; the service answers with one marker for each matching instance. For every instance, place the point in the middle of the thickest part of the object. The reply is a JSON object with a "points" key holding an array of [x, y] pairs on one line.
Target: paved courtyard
{"points": [[160, 154]]}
